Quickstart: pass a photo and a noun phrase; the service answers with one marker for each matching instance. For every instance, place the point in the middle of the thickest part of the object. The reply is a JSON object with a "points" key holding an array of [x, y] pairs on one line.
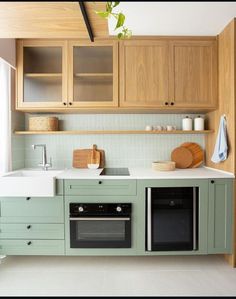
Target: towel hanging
{"points": [[221, 147]]}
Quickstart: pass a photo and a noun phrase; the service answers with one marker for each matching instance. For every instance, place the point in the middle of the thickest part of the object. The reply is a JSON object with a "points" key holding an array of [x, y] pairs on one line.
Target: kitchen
{"points": [[138, 100]]}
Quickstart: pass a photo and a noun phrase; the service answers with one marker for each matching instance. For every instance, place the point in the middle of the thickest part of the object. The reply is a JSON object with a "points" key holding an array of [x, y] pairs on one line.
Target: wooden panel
{"points": [[193, 73], [144, 73], [49, 20], [226, 91]]}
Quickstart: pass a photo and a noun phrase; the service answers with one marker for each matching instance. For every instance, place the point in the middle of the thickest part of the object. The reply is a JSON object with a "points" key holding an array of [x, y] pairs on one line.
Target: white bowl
{"points": [[93, 166]]}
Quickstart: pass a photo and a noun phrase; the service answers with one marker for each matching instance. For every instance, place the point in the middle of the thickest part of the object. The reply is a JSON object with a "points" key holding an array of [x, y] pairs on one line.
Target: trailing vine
{"points": [[120, 19]]}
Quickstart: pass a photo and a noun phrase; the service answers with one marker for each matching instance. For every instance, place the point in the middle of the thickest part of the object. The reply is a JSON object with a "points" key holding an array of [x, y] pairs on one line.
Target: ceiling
{"points": [[176, 18]]}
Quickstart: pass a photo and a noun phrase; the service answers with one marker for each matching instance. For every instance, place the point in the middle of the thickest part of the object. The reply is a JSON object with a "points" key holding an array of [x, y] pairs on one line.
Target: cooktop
{"points": [[115, 171]]}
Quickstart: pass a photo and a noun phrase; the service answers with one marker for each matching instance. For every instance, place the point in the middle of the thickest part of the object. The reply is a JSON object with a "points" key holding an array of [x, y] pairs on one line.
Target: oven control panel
{"points": [[100, 209]]}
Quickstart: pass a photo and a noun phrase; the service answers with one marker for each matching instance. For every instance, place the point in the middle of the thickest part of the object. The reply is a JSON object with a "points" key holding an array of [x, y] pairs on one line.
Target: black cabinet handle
{"points": [[28, 198], [166, 103], [212, 181], [100, 182], [70, 103], [172, 103], [28, 226], [64, 104], [29, 243]]}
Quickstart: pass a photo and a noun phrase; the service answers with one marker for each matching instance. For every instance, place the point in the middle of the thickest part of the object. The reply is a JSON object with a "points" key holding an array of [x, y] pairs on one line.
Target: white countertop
{"points": [[145, 173]]}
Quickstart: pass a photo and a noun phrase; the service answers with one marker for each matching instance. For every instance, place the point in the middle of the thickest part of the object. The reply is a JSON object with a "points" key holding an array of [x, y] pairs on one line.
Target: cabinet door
{"points": [[193, 75], [93, 74], [220, 216], [144, 78], [41, 74]]}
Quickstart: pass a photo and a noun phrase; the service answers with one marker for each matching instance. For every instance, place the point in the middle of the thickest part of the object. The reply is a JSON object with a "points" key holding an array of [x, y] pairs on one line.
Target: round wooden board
{"points": [[182, 156], [197, 152]]}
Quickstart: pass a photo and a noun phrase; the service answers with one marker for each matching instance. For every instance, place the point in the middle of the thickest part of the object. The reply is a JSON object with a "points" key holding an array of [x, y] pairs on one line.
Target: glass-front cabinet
{"points": [[42, 74], [93, 74]]}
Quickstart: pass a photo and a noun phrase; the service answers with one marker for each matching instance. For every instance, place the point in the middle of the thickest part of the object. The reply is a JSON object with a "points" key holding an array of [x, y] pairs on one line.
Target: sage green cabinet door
{"points": [[220, 216], [32, 210], [32, 247], [100, 187], [31, 231]]}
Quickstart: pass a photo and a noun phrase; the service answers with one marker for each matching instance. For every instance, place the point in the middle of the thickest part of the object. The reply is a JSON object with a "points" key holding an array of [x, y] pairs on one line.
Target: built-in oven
{"points": [[95, 225], [172, 218]]}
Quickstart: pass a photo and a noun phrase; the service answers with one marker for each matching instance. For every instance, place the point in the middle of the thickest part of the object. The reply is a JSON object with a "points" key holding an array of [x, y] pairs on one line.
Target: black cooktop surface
{"points": [[115, 171]]}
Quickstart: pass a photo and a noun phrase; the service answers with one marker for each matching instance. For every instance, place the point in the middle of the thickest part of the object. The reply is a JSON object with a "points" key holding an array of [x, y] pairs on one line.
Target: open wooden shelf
{"points": [[93, 74], [89, 132]]}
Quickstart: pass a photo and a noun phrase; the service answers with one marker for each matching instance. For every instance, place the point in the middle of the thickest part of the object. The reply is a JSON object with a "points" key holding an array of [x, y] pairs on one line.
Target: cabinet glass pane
{"points": [[42, 74], [93, 73]]}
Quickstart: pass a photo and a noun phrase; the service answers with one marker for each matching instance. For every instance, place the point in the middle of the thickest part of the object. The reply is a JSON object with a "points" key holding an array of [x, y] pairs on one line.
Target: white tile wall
{"points": [[120, 150]]}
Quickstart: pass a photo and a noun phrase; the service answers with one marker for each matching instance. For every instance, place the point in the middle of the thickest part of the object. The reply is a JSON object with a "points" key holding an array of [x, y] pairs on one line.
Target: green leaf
{"points": [[120, 21], [109, 7], [103, 14], [120, 35], [115, 4]]}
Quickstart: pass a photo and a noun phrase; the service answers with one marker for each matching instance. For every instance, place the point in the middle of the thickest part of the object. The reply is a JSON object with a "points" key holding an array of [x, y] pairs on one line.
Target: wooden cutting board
{"points": [[81, 156], [94, 156], [197, 153], [188, 155], [182, 157]]}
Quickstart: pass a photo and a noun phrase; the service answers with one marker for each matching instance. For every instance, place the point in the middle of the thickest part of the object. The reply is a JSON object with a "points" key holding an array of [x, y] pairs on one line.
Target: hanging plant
{"points": [[120, 19]]}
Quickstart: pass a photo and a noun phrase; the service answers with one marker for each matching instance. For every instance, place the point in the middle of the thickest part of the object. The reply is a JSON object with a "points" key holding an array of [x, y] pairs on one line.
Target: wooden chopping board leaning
{"points": [[188, 155]]}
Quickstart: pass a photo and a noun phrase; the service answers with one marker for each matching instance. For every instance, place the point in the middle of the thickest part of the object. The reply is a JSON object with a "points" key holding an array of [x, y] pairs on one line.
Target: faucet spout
{"points": [[44, 164]]}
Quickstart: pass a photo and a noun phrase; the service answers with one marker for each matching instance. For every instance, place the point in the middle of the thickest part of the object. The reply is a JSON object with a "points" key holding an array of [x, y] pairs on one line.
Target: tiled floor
{"points": [[117, 276]]}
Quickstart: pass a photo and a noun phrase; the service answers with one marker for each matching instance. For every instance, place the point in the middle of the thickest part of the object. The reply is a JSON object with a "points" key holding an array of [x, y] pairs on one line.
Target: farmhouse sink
{"points": [[29, 183]]}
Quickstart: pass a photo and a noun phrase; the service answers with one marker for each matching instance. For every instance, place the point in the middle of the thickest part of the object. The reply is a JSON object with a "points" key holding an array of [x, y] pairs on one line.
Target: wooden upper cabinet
{"points": [[168, 74], [193, 75], [41, 74], [144, 69], [93, 74]]}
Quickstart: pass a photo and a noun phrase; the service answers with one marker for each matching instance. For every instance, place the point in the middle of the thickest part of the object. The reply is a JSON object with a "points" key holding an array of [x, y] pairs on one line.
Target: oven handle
{"points": [[149, 219], [100, 219], [194, 218]]}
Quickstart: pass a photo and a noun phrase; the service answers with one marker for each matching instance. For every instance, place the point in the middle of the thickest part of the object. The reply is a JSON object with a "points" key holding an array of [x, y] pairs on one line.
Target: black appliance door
{"points": [[171, 219], [100, 232]]}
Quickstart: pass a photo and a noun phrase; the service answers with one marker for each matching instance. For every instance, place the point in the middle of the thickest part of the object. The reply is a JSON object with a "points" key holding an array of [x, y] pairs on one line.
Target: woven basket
{"points": [[43, 123]]}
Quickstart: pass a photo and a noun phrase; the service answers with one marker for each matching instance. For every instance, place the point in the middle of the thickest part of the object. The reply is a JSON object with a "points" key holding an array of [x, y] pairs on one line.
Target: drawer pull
{"points": [[29, 243], [212, 181], [28, 226], [100, 182], [28, 198]]}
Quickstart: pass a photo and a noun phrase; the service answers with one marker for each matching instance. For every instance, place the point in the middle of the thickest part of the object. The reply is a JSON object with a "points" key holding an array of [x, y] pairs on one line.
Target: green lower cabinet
{"points": [[32, 209], [31, 231], [220, 216], [32, 247]]}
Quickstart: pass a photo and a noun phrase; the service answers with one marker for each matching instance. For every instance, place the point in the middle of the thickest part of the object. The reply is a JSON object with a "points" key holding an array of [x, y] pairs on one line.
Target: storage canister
{"points": [[187, 124], [43, 123], [199, 123]]}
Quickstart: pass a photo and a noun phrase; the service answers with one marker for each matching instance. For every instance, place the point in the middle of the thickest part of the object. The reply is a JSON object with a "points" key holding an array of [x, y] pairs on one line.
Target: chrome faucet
{"points": [[44, 164]]}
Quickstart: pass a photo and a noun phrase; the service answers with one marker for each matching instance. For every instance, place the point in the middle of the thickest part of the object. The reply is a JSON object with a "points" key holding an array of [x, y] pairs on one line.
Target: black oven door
{"points": [[100, 232]]}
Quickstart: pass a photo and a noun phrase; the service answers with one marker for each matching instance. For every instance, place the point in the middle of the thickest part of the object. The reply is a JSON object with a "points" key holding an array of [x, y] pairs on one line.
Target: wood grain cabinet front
{"points": [[168, 74]]}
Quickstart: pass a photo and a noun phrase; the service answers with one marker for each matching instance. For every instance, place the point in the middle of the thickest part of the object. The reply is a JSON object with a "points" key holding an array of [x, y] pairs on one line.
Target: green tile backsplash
{"points": [[120, 150]]}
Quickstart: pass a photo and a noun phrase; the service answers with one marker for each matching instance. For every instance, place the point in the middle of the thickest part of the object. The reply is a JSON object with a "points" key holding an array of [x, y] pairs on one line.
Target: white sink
{"points": [[29, 183]]}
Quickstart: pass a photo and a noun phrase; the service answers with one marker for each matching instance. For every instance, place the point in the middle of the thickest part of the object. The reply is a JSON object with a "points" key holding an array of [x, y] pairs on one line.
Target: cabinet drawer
{"points": [[31, 231], [100, 187], [32, 210], [32, 247]]}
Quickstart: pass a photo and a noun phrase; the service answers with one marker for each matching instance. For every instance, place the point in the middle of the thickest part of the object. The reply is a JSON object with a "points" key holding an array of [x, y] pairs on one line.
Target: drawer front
{"points": [[31, 231], [32, 247], [32, 210], [100, 187]]}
